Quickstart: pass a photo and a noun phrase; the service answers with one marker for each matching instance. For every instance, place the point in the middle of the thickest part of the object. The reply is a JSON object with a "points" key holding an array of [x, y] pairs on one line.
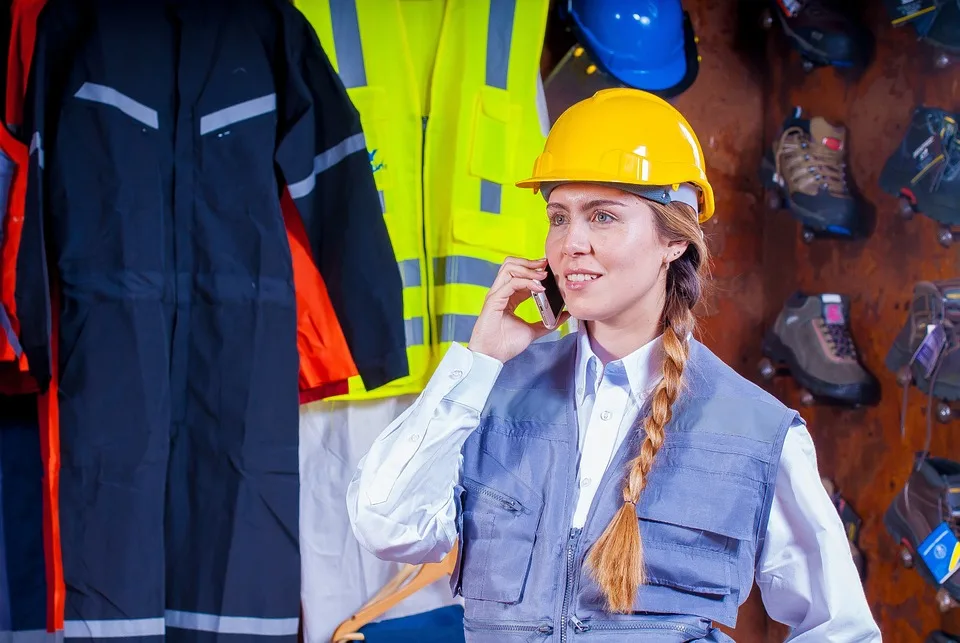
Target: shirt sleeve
{"points": [[401, 499], [323, 161], [806, 572]]}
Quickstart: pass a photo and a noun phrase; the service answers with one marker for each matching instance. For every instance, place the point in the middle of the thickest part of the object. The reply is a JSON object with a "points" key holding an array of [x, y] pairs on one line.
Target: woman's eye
{"points": [[557, 219], [603, 217]]}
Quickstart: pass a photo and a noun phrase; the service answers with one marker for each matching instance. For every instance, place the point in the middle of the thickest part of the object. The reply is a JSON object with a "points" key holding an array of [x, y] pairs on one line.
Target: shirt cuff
{"points": [[471, 376]]}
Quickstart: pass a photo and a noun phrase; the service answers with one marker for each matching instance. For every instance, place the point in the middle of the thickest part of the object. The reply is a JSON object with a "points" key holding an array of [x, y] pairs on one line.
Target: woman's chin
{"points": [[584, 313]]}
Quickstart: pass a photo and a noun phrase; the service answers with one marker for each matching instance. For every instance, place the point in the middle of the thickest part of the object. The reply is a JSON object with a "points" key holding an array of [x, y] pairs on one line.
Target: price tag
{"points": [[928, 353], [940, 552]]}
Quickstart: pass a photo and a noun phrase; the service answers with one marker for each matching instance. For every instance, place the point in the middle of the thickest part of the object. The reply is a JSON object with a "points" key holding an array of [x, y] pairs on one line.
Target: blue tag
{"points": [[940, 552]]}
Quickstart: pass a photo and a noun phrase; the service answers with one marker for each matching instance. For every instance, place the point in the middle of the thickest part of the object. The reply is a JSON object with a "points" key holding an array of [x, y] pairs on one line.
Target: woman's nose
{"points": [[577, 239]]}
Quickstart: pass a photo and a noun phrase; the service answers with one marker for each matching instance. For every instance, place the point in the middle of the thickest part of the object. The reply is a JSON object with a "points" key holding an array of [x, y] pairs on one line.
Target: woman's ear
{"points": [[675, 250]]}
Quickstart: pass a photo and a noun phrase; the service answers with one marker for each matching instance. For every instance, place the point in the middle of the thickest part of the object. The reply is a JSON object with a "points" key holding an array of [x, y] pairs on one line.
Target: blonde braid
{"points": [[616, 560]]}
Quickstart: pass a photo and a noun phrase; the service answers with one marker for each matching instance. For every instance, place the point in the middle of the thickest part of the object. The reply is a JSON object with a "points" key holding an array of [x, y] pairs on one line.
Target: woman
{"points": [[621, 483]]}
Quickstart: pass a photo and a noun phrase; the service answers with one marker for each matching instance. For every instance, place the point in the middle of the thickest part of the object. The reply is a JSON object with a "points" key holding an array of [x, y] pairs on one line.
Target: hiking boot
{"points": [[930, 497], [934, 302], [924, 170], [811, 338], [805, 171], [823, 34]]}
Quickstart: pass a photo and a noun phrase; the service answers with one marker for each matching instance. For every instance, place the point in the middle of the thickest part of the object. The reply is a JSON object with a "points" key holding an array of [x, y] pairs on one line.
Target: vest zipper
{"points": [[586, 626], [571, 575], [496, 626], [427, 269]]}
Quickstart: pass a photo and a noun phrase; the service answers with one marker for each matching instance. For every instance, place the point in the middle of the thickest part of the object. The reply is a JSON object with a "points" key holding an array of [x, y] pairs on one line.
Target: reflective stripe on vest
{"points": [[445, 171]]}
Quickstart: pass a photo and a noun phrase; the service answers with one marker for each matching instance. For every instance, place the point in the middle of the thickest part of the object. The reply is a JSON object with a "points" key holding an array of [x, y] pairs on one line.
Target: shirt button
{"points": [[457, 374], [586, 482], [605, 415], [415, 437]]}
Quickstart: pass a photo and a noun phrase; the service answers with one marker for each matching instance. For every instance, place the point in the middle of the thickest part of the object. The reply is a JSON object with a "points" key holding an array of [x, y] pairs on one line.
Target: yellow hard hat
{"points": [[624, 136]]}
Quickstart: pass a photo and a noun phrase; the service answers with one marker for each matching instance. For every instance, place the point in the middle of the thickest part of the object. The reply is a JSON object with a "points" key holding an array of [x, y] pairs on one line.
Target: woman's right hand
{"points": [[499, 332]]}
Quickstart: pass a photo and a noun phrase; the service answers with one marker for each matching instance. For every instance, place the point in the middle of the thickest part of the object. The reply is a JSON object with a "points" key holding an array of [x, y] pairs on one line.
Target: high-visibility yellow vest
{"points": [[447, 94]]}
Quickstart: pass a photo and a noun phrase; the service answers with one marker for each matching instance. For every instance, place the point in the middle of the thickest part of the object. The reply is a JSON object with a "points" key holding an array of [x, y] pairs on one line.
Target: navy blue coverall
{"points": [[162, 133]]}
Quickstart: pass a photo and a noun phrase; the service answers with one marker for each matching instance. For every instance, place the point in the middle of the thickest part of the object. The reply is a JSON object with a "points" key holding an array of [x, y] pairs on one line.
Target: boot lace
{"points": [[945, 127], [839, 340], [932, 307], [805, 166]]}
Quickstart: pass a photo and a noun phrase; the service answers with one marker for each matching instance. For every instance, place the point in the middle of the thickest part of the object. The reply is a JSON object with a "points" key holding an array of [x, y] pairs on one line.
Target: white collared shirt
{"points": [[608, 400], [401, 505]]}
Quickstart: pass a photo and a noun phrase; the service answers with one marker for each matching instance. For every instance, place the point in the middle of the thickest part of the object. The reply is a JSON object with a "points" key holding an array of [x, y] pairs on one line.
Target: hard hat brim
{"points": [[706, 209]]}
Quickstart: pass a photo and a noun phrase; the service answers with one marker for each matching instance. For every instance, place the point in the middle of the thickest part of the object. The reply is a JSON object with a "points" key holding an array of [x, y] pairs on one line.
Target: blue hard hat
{"points": [[641, 43]]}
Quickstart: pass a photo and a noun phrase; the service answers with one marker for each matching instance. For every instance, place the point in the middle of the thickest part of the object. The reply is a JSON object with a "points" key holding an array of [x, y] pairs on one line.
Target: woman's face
{"points": [[605, 251]]}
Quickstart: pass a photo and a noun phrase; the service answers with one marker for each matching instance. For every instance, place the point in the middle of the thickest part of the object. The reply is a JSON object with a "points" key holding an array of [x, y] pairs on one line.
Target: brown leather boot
{"points": [[930, 497], [811, 338], [805, 171]]}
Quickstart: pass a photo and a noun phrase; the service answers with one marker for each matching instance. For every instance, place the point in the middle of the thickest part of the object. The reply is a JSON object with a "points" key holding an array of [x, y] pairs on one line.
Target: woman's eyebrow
{"points": [[589, 205]]}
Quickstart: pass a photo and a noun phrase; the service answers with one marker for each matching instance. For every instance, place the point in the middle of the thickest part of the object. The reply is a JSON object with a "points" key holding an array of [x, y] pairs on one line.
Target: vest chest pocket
{"points": [[499, 528], [693, 525]]}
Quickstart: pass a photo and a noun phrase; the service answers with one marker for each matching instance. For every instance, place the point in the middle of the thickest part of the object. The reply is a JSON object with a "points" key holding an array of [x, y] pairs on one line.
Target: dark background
{"points": [[749, 80]]}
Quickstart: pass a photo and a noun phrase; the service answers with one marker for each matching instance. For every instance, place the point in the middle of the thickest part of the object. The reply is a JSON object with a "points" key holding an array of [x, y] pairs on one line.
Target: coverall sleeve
{"points": [[32, 292], [401, 501], [322, 158]]}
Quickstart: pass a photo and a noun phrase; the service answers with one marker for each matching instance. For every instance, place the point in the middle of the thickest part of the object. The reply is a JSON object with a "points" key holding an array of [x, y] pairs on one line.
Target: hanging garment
{"points": [[23, 590], [325, 361], [153, 185], [447, 91], [13, 187], [23, 32], [338, 574]]}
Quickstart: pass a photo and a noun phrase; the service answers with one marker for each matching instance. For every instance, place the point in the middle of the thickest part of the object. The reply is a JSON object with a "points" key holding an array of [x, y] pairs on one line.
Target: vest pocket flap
{"points": [[500, 235], [696, 572], [701, 500], [496, 128]]}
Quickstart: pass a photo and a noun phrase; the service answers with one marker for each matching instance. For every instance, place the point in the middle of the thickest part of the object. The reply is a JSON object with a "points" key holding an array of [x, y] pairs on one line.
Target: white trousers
{"points": [[338, 575]]}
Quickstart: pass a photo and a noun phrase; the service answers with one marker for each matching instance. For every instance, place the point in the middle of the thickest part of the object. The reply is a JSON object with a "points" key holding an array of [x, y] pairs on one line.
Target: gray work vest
{"points": [[702, 514]]}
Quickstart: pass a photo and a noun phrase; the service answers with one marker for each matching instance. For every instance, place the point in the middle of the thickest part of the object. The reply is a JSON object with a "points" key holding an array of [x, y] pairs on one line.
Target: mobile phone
{"points": [[550, 302]]}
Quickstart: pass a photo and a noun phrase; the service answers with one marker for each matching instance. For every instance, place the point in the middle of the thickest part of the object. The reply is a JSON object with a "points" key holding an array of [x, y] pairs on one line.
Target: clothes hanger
{"points": [[419, 576]]}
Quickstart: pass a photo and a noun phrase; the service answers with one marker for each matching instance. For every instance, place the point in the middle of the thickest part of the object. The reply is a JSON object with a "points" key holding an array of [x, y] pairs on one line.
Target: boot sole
{"points": [[845, 229], [847, 394]]}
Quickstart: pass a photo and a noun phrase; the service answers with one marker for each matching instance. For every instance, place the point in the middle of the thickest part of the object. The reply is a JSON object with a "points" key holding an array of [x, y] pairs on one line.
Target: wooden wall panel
{"points": [[862, 450], [748, 82]]}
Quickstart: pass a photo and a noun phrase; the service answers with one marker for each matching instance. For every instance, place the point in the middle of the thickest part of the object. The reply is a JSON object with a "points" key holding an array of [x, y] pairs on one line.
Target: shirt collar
{"points": [[643, 368]]}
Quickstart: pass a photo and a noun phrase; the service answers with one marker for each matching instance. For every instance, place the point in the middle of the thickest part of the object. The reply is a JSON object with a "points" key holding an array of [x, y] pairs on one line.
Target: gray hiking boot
{"points": [[811, 339], [924, 171], [934, 302]]}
